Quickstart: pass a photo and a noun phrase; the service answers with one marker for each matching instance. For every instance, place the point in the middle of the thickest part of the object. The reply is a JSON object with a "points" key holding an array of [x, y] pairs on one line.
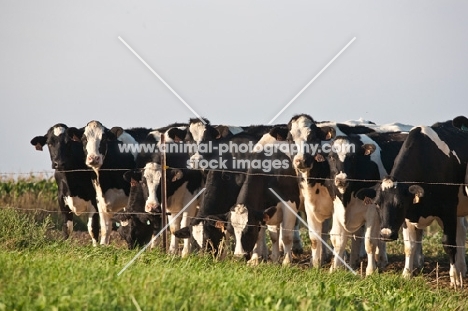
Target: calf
{"points": [[75, 190], [425, 184], [136, 226]]}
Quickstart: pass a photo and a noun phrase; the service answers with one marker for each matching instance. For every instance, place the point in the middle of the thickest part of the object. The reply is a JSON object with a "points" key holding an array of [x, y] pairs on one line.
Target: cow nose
{"points": [[195, 160], [93, 159], [386, 233], [152, 207]]}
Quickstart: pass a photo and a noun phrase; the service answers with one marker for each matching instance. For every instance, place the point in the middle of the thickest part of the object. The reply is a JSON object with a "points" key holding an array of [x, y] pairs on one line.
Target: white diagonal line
{"points": [[316, 76], [315, 233], [162, 80], [160, 232]]}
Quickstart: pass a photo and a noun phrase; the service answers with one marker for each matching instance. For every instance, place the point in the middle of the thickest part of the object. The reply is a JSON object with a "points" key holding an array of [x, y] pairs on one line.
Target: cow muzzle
{"points": [[388, 235], [94, 161], [153, 207]]}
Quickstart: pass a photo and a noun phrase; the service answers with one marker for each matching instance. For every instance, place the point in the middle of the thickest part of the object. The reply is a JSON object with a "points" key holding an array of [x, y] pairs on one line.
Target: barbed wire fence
{"points": [[48, 174]]}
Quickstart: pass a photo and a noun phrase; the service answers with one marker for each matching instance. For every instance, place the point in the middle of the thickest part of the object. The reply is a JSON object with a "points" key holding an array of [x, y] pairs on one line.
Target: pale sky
{"points": [[233, 62]]}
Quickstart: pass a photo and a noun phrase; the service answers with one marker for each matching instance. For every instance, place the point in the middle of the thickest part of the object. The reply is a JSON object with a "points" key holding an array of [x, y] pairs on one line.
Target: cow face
{"points": [[390, 201], [151, 180], [95, 139], [346, 159], [305, 134], [136, 230], [199, 132], [62, 144]]}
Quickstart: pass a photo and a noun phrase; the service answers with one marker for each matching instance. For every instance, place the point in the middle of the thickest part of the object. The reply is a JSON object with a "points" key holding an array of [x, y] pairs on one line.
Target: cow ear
{"points": [[116, 132], [366, 195], [368, 149], [279, 132], [183, 233], [39, 142], [418, 192], [132, 174], [461, 122], [214, 133], [176, 175], [74, 134], [327, 133]]}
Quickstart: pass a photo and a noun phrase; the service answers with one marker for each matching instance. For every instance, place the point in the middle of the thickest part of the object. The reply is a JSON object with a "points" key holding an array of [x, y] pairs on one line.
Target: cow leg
{"points": [[338, 238], [358, 249], [175, 225], [418, 261], [326, 253], [315, 230], [106, 227], [297, 247], [93, 224], [258, 248], [449, 242], [372, 237], [409, 240], [67, 216], [274, 236], [287, 229], [381, 253], [461, 251]]}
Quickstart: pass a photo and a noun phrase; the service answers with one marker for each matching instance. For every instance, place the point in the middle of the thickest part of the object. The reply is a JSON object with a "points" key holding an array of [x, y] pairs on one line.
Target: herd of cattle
{"points": [[396, 176]]}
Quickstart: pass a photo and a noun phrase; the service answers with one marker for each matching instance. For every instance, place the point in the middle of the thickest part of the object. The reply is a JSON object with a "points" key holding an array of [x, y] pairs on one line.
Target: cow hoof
{"points": [[253, 262], [407, 274]]}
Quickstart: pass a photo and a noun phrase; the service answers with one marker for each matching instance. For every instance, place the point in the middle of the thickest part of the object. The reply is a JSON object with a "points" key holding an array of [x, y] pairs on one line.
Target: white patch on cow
{"points": [[388, 184], [77, 205], [128, 139], [59, 130], [124, 223], [197, 233], [429, 132], [340, 177], [300, 129], [266, 139], [115, 200], [197, 130], [156, 134], [152, 173], [93, 132], [239, 220], [341, 147], [375, 156]]}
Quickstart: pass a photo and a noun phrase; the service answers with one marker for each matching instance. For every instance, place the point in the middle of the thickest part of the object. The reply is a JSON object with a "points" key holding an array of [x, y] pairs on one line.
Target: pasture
{"points": [[39, 271]]}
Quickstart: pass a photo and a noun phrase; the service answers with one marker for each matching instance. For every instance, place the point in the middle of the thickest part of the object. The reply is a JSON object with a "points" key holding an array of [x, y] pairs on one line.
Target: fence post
{"points": [[163, 193]]}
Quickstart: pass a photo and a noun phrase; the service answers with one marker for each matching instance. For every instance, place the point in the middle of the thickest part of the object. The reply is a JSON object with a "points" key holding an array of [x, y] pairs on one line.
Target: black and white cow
{"points": [[461, 122], [426, 184], [135, 225], [105, 155], [358, 162], [75, 190]]}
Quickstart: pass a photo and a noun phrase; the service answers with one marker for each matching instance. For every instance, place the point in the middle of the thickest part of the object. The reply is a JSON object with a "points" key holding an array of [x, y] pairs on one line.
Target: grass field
{"points": [[38, 271]]}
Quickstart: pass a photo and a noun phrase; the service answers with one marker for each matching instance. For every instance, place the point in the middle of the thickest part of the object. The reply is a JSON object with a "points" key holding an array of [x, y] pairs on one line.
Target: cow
{"points": [[135, 225], [75, 190], [358, 161], [461, 123], [425, 184], [105, 155]]}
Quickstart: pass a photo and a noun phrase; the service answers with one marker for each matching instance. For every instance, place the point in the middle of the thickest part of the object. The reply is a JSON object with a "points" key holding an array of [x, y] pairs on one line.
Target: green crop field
{"points": [[39, 271]]}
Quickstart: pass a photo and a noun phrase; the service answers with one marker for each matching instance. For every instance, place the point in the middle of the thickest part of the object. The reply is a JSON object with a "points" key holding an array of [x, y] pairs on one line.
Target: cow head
{"points": [[63, 146], [347, 158], [305, 134], [95, 139], [200, 132], [461, 122], [394, 201]]}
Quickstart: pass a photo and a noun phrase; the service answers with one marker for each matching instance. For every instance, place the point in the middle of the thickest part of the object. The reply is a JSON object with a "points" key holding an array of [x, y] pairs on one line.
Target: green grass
{"points": [[61, 275]]}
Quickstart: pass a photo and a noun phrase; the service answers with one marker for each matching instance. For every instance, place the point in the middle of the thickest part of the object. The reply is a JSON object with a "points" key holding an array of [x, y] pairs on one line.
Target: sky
{"points": [[233, 62]]}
